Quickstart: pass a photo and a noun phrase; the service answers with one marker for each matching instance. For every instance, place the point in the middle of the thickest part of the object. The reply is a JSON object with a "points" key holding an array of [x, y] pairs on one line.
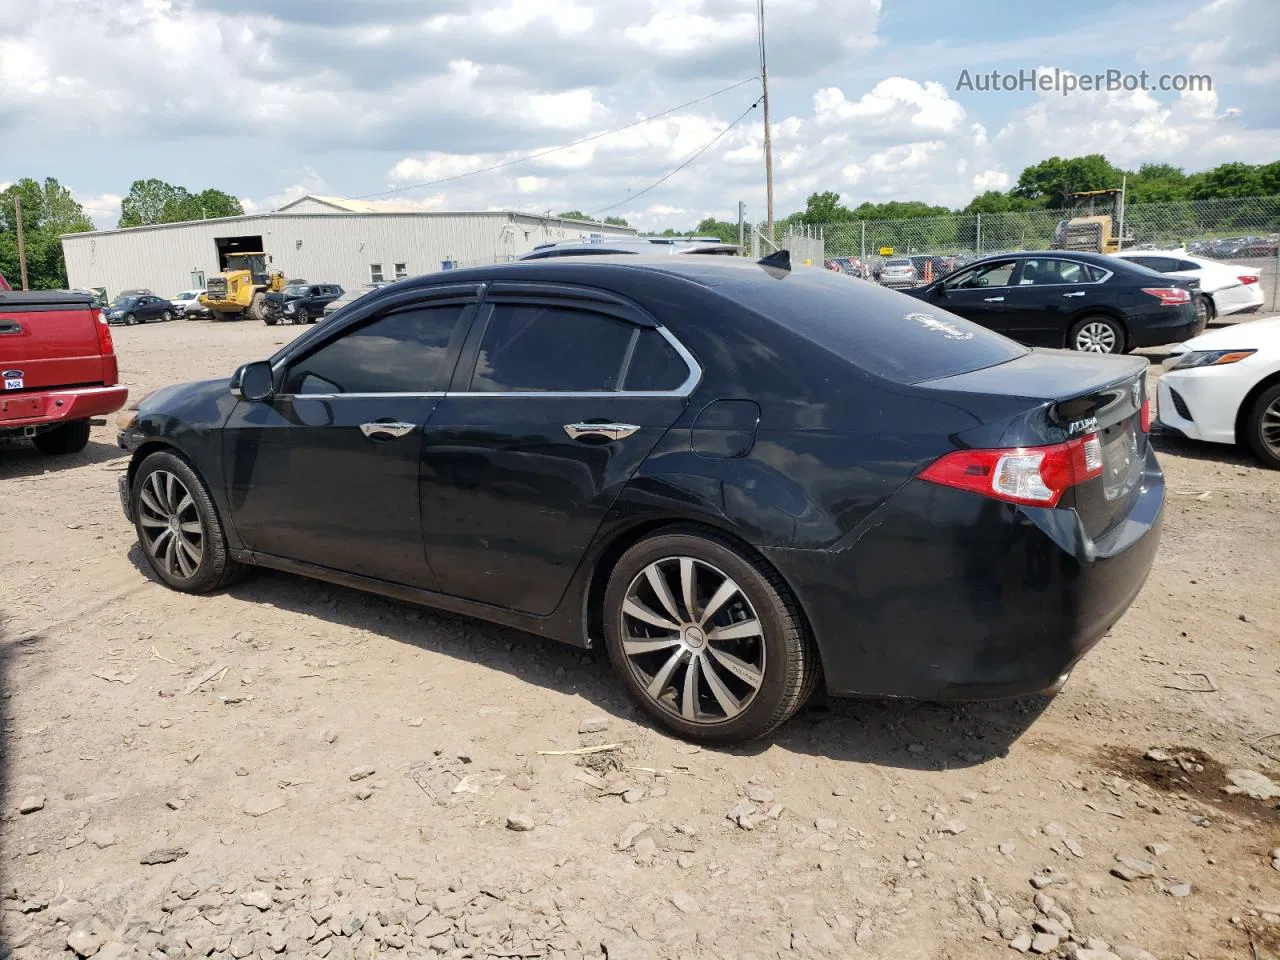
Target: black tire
{"points": [[68, 438], [214, 569], [258, 306], [789, 666], [302, 316], [1210, 311], [269, 319], [1262, 427], [1091, 330], [166, 316], [130, 320]]}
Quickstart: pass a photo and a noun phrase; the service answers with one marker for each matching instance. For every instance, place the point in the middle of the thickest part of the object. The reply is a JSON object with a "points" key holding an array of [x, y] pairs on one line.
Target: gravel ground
{"points": [[361, 778]]}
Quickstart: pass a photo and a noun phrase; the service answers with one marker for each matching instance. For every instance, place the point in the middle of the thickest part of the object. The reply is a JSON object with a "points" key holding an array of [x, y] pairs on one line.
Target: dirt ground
{"points": [[358, 778]]}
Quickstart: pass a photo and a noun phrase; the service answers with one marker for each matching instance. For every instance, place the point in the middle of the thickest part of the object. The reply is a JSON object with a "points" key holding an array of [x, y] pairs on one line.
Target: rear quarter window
{"points": [[884, 333]]}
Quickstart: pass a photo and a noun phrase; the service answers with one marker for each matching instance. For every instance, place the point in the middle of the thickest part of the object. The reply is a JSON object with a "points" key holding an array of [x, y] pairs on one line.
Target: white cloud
{"points": [[102, 208], [991, 180], [895, 104]]}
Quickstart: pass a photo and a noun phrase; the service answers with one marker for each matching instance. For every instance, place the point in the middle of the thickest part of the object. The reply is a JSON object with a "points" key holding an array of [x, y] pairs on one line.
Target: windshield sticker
{"points": [[948, 330]]}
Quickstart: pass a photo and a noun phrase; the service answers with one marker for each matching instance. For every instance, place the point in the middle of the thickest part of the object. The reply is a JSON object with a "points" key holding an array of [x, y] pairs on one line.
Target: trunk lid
{"points": [[49, 338], [1056, 396]]}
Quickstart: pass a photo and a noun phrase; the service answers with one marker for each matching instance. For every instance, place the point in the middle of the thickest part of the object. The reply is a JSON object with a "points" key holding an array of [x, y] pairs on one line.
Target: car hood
{"points": [[1250, 335], [168, 400]]}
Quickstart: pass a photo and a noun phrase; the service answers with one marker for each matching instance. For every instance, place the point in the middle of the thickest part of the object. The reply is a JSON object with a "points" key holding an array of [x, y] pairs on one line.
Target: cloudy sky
{"points": [[271, 99]]}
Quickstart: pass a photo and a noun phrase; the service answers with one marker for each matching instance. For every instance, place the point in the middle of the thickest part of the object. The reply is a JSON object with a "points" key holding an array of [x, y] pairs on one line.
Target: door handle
{"points": [[1078, 293], [606, 431], [993, 299], [389, 429]]}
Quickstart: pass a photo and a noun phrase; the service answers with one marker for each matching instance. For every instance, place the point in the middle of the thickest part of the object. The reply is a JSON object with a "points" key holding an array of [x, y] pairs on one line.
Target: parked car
{"points": [[139, 309], [648, 246], [59, 369], [598, 450], [301, 302], [848, 265], [898, 273], [1224, 387], [931, 267], [1082, 301], [188, 306], [1225, 288], [348, 297]]}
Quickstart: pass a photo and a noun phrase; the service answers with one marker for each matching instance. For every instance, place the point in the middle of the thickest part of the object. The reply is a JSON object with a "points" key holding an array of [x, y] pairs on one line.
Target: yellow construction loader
{"points": [[1093, 224], [242, 290]]}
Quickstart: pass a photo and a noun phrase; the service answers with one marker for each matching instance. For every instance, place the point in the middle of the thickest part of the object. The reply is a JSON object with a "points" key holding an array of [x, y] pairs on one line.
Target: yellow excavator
{"points": [[1093, 224], [242, 290]]}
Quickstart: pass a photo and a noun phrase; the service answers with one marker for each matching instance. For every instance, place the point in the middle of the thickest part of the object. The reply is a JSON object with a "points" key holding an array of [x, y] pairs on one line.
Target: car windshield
{"points": [[296, 291], [125, 301]]}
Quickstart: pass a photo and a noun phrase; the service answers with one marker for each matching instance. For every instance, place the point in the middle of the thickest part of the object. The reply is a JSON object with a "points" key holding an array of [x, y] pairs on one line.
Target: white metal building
{"points": [[316, 239]]}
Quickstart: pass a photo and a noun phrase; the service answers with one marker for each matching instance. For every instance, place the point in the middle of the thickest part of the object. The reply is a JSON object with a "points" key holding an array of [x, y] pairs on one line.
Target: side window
{"points": [[375, 273], [987, 275], [1050, 272], [1158, 264], [410, 351], [536, 348], [655, 365], [1186, 265]]}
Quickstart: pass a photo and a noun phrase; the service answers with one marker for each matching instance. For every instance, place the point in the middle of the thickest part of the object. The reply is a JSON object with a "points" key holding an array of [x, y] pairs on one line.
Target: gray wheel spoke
{"points": [[739, 668], [718, 599], [160, 539], [689, 702], [171, 492], [184, 504], [180, 557], [638, 646], [728, 703], [190, 551], [662, 678], [640, 612], [736, 631], [688, 587], [171, 556], [659, 584], [149, 501], [152, 521], [192, 526]]}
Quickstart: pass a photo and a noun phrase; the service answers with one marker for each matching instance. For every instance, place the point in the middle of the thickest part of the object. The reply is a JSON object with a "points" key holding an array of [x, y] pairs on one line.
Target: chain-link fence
{"points": [[1243, 231]]}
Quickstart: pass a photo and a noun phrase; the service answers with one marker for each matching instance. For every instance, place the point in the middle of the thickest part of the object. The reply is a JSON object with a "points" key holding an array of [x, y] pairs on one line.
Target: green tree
{"points": [[573, 215], [824, 207], [721, 229], [1227, 180], [1050, 182], [155, 201], [616, 222], [48, 211]]}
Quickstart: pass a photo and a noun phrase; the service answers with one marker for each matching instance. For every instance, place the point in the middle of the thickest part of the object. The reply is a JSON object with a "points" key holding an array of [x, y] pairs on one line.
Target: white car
{"points": [[1226, 288], [187, 304], [1224, 387]]}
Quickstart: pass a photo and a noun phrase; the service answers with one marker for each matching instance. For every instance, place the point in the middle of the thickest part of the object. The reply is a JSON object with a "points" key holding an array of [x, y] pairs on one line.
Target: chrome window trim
{"points": [[684, 390]]}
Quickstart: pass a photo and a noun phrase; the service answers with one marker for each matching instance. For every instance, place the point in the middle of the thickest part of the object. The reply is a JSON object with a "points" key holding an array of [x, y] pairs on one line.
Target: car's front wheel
{"points": [[130, 319], [301, 316], [178, 526], [166, 316], [1097, 334], [1263, 426], [706, 638]]}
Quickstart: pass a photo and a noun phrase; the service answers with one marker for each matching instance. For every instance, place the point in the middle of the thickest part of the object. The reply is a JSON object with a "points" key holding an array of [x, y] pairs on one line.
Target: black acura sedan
{"points": [[1082, 301], [745, 480]]}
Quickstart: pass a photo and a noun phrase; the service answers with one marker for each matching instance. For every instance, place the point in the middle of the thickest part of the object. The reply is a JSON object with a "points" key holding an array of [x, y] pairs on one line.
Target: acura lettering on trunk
{"points": [[744, 481]]}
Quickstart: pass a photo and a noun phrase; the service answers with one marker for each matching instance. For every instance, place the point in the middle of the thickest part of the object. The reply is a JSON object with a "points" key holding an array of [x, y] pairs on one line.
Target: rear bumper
{"points": [[1155, 326], [947, 595], [55, 407]]}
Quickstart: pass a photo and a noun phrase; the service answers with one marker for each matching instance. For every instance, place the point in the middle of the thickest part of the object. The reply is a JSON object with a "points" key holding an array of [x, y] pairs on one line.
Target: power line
{"points": [[565, 146], [694, 156]]}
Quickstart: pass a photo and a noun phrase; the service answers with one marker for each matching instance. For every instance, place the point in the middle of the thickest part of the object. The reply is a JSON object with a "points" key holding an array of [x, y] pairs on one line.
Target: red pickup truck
{"points": [[59, 368]]}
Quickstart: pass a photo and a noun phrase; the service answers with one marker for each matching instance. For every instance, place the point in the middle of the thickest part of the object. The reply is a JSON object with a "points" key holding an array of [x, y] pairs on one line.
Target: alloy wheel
{"points": [[1269, 427], [173, 533], [693, 640], [1096, 338]]}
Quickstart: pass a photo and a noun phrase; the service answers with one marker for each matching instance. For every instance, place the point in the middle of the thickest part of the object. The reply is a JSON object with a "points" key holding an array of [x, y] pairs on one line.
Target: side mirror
{"points": [[940, 289], [254, 381]]}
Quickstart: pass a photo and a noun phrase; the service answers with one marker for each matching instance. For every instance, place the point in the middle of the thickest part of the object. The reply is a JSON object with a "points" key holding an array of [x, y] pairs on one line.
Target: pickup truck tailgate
{"points": [[50, 339]]}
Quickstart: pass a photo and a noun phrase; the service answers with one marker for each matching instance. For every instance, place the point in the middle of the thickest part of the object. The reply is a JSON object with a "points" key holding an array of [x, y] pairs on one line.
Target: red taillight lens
{"points": [[1146, 415], [1248, 278], [104, 334], [1032, 476], [1169, 296]]}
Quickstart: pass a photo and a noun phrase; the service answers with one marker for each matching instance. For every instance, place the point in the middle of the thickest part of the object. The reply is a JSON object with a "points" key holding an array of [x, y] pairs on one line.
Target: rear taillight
{"points": [[1248, 278], [1146, 415], [1032, 476], [1169, 296], [105, 346]]}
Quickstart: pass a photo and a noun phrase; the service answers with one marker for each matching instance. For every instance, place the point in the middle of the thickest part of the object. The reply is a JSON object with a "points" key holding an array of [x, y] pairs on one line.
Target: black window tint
{"points": [[1187, 265], [1158, 264], [537, 348], [655, 365], [404, 352]]}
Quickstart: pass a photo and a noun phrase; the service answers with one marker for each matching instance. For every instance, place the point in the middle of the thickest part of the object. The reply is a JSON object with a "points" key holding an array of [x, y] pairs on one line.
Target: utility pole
{"points": [[22, 246], [742, 222], [768, 133]]}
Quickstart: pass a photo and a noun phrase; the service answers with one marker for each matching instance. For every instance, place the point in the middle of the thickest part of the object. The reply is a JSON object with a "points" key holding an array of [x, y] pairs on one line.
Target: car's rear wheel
{"points": [[1263, 427], [68, 438], [178, 526], [1097, 334], [706, 639], [1205, 310]]}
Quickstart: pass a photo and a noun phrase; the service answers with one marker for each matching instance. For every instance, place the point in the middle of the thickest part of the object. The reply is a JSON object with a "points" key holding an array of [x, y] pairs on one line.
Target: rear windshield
{"points": [[885, 333], [897, 263]]}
